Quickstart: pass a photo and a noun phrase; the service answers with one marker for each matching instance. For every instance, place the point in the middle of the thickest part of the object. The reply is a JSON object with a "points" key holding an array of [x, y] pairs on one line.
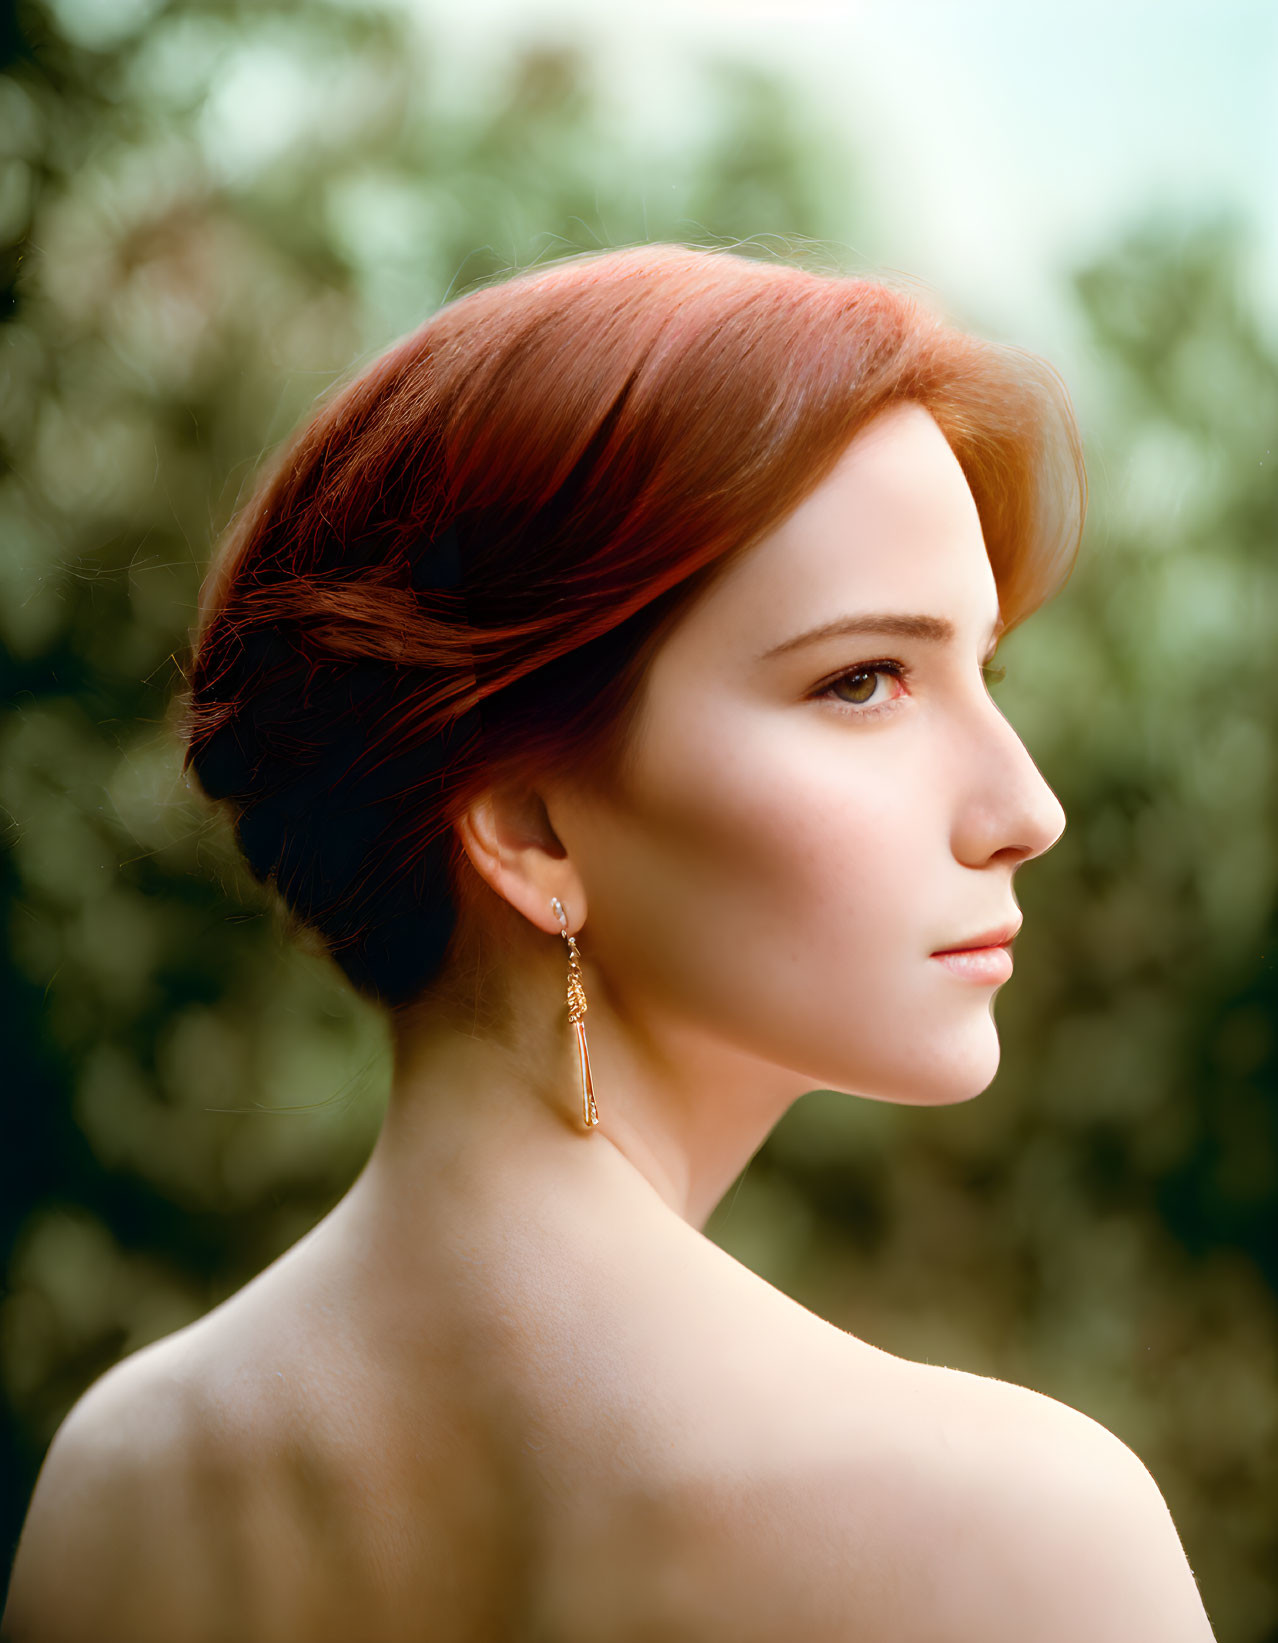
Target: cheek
{"points": [[769, 878]]}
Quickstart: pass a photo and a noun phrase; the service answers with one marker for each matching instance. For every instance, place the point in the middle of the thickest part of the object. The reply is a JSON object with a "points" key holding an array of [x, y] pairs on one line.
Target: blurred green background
{"points": [[208, 211]]}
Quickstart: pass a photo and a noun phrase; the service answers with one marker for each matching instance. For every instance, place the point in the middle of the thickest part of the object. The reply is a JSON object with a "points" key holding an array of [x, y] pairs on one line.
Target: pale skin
{"points": [[507, 1389]]}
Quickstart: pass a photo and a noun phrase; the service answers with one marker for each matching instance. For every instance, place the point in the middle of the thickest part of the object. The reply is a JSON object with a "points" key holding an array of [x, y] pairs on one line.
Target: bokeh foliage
{"points": [[209, 211]]}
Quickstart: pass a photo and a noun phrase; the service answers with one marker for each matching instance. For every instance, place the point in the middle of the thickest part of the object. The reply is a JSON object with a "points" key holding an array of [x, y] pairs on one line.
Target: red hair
{"points": [[457, 572]]}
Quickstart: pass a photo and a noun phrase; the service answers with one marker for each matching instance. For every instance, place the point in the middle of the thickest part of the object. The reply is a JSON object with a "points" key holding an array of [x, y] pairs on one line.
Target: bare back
{"points": [[605, 1432]]}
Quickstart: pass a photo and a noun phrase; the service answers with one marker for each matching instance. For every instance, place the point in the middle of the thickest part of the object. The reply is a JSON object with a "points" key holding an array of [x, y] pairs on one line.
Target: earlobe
{"points": [[515, 850]]}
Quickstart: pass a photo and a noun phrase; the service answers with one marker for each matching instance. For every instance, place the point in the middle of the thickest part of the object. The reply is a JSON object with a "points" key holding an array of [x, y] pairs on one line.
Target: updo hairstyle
{"points": [[454, 577]]}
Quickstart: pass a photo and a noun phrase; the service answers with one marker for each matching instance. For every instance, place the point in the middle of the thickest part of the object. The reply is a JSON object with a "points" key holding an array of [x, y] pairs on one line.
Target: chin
{"points": [[951, 1073], [962, 1076], [951, 1094]]}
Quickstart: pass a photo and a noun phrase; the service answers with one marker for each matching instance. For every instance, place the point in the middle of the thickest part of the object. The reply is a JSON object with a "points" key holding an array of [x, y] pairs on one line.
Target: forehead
{"points": [[892, 526]]}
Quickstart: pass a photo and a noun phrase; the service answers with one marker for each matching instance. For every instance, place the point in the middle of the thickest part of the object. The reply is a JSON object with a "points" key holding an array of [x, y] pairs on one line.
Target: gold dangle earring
{"points": [[576, 1014]]}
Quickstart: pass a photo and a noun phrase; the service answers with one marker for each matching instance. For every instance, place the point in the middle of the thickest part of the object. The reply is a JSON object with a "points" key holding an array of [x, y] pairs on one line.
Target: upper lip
{"points": [[989, 938]]}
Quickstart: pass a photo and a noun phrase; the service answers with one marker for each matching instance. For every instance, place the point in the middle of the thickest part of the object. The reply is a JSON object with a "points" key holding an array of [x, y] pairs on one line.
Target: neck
{"points": [[680, 1112]]}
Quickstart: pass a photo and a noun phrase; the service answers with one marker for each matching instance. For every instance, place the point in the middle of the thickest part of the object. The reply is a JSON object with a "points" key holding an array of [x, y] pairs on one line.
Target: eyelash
{"points": [[897, 670]]}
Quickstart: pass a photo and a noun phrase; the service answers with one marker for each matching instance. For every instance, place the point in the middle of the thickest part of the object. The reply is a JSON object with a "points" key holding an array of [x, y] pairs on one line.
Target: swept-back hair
{"points": [[455, 575]]}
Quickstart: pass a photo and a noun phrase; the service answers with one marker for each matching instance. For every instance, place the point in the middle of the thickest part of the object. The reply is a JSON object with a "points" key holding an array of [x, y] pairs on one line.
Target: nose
{"points": [[1006, 808]]}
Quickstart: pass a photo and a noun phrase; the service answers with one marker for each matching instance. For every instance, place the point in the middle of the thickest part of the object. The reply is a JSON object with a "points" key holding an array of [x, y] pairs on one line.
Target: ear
{"points": [[507, 835]]}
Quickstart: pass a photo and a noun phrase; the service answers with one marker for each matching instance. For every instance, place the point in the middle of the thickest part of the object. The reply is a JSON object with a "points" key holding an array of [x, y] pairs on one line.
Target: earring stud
{"points": [[576, 1015]]}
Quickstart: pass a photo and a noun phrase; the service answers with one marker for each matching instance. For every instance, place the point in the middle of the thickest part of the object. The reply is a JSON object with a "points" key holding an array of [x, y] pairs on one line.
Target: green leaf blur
{"points": [[208, 210]]}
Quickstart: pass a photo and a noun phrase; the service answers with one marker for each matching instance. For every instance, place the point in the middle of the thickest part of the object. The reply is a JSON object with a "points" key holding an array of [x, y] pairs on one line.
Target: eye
{"points": [[862, 682], [992, 675]]}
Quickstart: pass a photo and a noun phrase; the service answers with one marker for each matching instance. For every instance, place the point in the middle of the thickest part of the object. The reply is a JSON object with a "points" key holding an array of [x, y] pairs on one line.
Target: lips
{"points": [[998, 937]]}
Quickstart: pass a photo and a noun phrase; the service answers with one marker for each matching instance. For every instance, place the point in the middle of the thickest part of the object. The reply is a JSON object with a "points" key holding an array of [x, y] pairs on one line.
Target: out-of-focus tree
{"points": [[208, 211]]}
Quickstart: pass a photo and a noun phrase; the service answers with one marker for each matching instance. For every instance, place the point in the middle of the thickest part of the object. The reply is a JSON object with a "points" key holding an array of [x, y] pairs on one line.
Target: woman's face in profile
{"points": [[805, 825]]}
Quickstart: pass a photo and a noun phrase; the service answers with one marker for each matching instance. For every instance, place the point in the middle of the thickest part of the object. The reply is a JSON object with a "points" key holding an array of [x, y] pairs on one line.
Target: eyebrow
{"points": [[937, 630]]}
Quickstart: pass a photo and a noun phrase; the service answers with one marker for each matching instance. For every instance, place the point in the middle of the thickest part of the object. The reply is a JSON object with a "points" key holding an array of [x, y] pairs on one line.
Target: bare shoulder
{"points": [[1067, 1534], [115, 1480], [928, 1506]]}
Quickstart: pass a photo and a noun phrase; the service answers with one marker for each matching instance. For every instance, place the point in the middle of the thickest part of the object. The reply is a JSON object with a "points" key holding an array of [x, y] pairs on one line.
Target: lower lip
{"points": [[980, 964]]}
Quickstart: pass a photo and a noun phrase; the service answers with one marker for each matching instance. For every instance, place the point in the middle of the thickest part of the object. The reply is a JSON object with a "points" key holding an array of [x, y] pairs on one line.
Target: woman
{"points": [[600, 679]]}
